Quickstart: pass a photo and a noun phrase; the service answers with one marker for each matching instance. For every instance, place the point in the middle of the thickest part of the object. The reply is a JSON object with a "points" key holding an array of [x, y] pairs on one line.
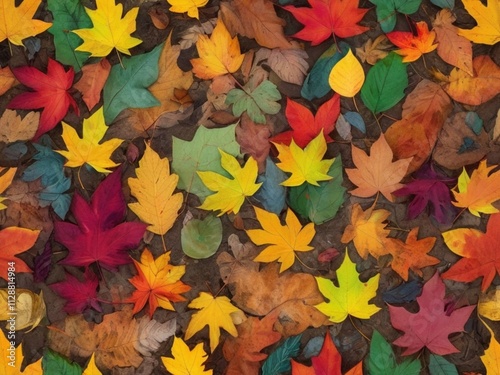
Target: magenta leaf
{"points": [[79, 295]]}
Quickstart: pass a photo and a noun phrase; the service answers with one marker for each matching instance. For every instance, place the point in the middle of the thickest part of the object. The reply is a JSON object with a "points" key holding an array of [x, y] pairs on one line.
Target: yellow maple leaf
{"points": [[214, 312], [91, 368], [219, 54], [479, 191], [284, 239], [158, 282], [109, 29], [491, 356], [189, 6], [18, 23], [87, 149], [230, 193], [154, 186], [12, 358], [6, 177], [487, 17], [367, 231], [185, 361], [305, 165], [350, 297]]}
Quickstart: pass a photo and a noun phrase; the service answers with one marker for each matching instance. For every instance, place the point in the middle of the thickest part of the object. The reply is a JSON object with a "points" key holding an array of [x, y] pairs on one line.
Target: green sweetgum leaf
{"points": [[201, 239], [278, 361], [54, 363], [320, 203], [257, 102], [127, 86], [68, 15], [387, 11], [385, 84], [450, 4], [440, 366], [202, 154], [382, 361]]}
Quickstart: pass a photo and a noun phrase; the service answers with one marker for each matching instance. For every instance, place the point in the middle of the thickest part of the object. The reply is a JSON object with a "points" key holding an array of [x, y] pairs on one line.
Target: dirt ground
{"points": [[204, 274]]}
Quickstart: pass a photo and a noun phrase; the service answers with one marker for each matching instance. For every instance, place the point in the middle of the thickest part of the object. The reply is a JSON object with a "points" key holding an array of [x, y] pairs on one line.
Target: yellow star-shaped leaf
{"points": [[189, 6], [350, 297], [12, 360], [230, 193], [185, 361], [109, 29], [284, 239], [216, 313], [305, 165], [87, 149]]}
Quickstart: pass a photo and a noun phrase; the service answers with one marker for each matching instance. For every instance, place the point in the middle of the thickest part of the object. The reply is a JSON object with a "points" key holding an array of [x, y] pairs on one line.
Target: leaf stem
{"points": [[355, 104], [10, 47], [357, 329], [301, 262], [79, 178], [458, 215], [378, 123], [119, 58], [163, 243]]}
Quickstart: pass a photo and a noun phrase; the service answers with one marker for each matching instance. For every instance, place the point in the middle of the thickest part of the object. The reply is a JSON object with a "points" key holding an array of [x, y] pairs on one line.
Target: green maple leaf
{"points": [[387, 11]]}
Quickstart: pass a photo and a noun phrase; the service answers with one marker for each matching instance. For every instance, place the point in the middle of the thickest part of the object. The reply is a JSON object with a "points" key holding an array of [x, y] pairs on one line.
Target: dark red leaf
{"points": [[78, 294]]}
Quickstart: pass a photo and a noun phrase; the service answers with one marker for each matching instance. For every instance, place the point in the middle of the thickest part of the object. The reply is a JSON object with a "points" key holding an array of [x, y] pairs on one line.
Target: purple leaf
{"points": [[43, 264]]}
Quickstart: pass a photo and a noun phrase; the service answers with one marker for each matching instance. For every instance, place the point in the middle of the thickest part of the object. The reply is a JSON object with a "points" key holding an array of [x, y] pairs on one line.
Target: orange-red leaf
{"points": [[93, 79], [413, 46], [13, 241]]}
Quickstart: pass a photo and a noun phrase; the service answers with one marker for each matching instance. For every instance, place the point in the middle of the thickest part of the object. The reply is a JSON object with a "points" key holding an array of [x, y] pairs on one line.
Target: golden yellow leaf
{"points": [[487, 17], [29, 308], [153, 188], [18, 22], [219, 54], [109, 29], [230, 193], [489, 305], [91, 368], [189, 6], [491, 356], [186, 361], [13, 128], [6, 177], [214, 312], [367, 231], [284, 240], [12, 358], [479, 191], [347, 76], [305, 165], [7, 79], [87, 150]]}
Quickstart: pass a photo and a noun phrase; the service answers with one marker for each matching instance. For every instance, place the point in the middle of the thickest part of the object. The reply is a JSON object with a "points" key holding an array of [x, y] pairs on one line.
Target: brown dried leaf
{"points": [[7, 79], [373, 51], [13, 128], [93, 79], [289, 64], [254, 140]]}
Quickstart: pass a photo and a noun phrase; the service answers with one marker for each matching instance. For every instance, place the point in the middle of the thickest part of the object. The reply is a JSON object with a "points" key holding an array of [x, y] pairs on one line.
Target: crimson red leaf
{"points": [[51, 94], [329, 361], [305, 126], [432, 324], [78, 294], [101, 235]]}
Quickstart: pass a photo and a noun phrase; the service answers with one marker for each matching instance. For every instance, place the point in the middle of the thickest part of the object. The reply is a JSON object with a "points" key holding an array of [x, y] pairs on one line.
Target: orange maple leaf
{"points": [[15, 240], [377, 172], [157, 281], [413, 46]]}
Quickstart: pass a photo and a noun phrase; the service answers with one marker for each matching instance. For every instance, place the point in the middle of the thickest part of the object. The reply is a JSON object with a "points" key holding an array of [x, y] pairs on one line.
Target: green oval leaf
{"points": [[201, 239]]}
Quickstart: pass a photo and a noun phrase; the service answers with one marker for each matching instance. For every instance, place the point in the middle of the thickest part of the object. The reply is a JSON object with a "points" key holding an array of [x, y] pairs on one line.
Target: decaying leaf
{"points": [[373, 51], [29, 308]]}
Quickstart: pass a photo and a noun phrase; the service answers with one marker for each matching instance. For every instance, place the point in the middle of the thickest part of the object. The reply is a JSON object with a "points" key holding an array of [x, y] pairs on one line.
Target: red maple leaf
{"points": [[305, 126], [78, 294], [327, 17], [101, 235], [51, 94], [479, 252], [432, 324]]}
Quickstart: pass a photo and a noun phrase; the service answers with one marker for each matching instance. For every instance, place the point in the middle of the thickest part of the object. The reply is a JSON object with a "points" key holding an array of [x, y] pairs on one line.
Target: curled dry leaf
{"points": [[373, 51]]}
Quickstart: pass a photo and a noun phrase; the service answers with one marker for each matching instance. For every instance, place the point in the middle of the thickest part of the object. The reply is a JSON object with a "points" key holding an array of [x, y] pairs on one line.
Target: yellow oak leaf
{"points": [[479, 191], [230, 193], [12, 358], [351, 297], [6, 177], [154, 186], [186, 361], [367, 231], [91, 368], [214, 312], [220, 54], [158, 282], [305, 165], [109, 30], [284, 239], [377, 172], [347, 76], [487, 17], [491, 356], [189, 6], [87, 150], [18, 23]]}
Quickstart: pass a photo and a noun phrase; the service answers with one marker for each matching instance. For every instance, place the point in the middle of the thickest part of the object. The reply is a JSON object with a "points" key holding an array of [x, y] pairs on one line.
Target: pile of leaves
{"points": [[316, 181]]}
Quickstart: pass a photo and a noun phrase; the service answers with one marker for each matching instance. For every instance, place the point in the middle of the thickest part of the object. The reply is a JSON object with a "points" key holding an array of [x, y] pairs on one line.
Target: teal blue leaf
{"points": [[440, 366], [387, 11], [355, 119], [385, 83], [127, 86], [444, 3], [271, 194], [474, 122], [278, 361], [68, 15], [320, 203], [382, 361], [54, 363], [404, 293], [201, 239], [316, 83]]}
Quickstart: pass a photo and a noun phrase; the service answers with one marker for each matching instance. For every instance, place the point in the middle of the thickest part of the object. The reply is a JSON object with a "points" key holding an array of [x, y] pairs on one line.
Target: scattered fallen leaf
{"points": [[6, 177], [29, 308], [186, 361], [487, 17], [373, 51], [413, 46], [13, 128], [15, 240], [488, 305], [347, 76], [387, 11], [290, 64], [200, 239], [91, 368], [12, 359], [79, 295], [491, 356], [7, 79], [254, 140], [92, 82]]}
